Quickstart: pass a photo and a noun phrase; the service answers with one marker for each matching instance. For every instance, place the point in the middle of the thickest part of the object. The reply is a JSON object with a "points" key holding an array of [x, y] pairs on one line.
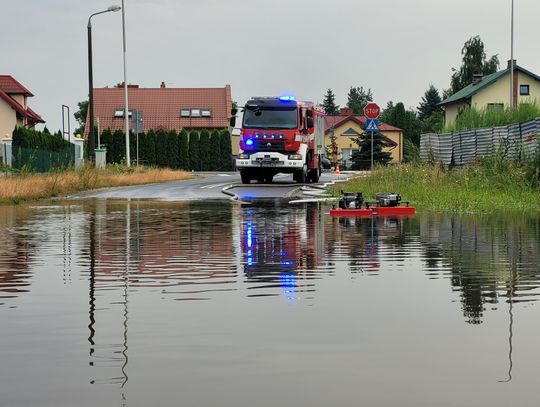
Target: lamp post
{"points": [[126, 111], [91, 140], [512, 57]]}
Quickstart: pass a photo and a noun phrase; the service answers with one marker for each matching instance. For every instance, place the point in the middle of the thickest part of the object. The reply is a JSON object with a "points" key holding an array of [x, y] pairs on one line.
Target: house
{"points": [[347, 127], [14, 110], [493, 92], [163, 108]]}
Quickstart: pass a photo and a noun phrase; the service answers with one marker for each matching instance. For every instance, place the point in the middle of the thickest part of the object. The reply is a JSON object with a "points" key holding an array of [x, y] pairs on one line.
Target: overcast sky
{"points": [[395, 47]]}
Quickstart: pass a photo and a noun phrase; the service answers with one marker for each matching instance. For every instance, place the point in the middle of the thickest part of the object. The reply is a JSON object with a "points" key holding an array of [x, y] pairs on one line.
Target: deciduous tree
{"points": [[358, 98], [474, 61]]}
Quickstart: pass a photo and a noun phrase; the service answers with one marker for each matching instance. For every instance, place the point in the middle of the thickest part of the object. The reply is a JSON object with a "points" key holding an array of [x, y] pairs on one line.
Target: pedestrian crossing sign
{"points": [[372, 124]]}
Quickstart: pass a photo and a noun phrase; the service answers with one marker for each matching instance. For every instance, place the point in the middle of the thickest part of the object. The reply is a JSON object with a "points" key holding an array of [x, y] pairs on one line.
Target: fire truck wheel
{"points": [[301, 175], [315, 174], [246, 179]]}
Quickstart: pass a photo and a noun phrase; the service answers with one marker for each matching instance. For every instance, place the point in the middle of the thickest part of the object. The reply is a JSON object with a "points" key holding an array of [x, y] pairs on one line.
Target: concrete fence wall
{"points": [[461, 148]]}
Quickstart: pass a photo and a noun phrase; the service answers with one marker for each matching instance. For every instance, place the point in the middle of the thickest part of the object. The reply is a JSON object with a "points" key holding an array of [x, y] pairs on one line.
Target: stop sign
{"points": [[372, 110]]}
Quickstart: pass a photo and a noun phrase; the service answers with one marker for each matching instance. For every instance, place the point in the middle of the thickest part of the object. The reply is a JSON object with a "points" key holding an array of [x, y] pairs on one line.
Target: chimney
{"points": [[477, 77], [510, 63], [162, 86], [345, 111]]}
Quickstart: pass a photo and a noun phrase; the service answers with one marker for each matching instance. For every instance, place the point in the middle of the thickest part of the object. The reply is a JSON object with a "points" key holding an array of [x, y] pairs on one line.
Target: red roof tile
{"points": [[10, 85], [336, 121], [161, 107]]}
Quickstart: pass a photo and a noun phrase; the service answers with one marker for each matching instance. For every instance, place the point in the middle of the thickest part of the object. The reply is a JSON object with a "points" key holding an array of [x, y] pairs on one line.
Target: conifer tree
{"points": [[172, 149], [162, 150], [361, 158], [226, 151], [194, 156], [183, 150], [118, 148], [204, 150], [150, 141], [215, 151], [430, 103], [329, 105]]}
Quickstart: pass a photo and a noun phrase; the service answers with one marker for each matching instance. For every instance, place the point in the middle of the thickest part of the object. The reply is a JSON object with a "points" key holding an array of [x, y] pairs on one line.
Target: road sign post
{"points": [[372, 112]]}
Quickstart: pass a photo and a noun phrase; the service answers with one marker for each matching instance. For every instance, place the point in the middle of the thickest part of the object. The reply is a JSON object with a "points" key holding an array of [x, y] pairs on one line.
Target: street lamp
{"points": [[91, 140], [512, 57], [126, 111]]}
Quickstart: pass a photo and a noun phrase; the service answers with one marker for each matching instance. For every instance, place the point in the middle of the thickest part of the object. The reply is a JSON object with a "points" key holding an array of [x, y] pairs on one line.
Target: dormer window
{"points": [[196, 112], [120, 113]]}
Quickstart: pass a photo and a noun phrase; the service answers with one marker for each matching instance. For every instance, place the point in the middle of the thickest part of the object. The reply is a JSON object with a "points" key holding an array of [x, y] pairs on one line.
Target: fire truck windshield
{"points": [[256, 118]]}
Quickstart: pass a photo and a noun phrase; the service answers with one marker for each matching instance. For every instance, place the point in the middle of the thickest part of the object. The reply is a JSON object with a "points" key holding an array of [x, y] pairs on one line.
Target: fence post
{"points": [[7, 149], [78, 143]]}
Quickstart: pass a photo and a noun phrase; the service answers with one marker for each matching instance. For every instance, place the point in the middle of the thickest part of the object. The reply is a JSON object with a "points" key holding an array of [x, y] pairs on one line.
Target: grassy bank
{"points": [[16, 188], [472, 118], [483, 188]]}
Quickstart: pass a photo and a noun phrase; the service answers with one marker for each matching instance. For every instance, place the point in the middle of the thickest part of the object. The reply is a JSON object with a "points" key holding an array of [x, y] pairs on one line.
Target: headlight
{"points": [[295, 157], [243, 156]]}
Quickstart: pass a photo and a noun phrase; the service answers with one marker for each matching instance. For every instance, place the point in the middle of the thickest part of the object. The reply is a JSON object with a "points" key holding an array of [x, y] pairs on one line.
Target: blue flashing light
{"points": [[249, 142], [287, 98]]}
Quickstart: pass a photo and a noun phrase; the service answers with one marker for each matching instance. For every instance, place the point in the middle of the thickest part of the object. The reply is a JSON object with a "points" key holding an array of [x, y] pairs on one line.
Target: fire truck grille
{"points": [[263, 145]]}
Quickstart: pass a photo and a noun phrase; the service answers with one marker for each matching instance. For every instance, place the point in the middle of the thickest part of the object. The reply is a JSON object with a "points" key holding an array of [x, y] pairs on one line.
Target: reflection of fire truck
{"points": [[280, 135], [277, 246]]}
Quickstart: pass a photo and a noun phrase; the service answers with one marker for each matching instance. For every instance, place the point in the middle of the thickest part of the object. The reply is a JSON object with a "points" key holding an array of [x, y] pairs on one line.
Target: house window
{"points": [[206, 113], [195, 112], [184, 113], [120, 113], [524, 90], [495, 106]]}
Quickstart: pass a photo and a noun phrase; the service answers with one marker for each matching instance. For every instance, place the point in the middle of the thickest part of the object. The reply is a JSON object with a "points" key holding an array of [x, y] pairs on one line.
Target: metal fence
{"points": [[35, 160], [515, 141]]}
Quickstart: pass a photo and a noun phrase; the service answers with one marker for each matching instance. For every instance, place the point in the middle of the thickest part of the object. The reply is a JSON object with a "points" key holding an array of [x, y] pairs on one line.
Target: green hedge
{"points": [[203, 150], [38, 151]]}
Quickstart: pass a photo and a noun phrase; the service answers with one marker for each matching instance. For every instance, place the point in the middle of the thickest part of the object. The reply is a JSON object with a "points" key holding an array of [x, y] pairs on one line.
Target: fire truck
{"points": [[280, 135]]}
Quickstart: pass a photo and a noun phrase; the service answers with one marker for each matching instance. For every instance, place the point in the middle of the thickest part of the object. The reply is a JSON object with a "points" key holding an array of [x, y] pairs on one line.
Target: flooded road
{"points": [[143, 303]]}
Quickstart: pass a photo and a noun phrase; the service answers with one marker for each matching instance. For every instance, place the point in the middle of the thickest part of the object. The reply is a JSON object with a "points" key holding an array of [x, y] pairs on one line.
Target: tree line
{"points": [[205, 150]]}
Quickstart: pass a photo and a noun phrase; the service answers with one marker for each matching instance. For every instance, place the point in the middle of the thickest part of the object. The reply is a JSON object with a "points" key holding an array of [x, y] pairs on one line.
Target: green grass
{"points": [[472, 118], [483, 188]]}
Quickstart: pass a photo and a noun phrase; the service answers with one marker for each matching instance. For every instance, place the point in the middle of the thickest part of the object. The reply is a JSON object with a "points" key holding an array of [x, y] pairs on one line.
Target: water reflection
{"points": [[282, 248], [193, 254]]}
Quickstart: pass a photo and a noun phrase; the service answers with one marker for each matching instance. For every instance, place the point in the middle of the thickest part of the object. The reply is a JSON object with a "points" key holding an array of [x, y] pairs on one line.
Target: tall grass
{"points": [[30, 186], [488, 187], [472, 118]]}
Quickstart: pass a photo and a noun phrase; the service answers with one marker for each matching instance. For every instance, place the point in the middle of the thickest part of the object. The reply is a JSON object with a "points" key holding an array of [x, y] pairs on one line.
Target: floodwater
{"points": [[142, 303]]}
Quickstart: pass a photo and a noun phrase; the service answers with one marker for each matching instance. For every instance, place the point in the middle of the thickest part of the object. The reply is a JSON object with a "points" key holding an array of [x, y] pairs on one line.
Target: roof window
{"points": [[120, 113]]}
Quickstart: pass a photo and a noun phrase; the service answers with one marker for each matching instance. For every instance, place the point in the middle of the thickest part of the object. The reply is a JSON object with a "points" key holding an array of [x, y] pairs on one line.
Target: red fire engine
{"points": [[280, 135]]}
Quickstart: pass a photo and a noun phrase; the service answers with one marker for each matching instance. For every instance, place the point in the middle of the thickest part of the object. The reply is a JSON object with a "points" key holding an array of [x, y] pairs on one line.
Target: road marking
{"points": [[214, 185]]}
